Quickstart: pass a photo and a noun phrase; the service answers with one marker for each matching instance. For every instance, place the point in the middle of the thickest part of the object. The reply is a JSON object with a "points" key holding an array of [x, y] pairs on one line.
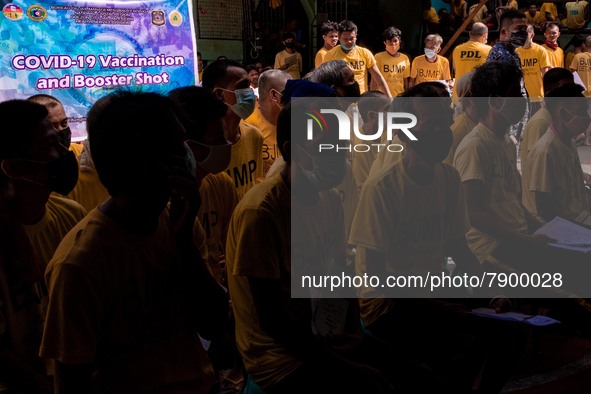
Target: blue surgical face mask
{"points": [[430, 53], [245, 102], [347, 49]]}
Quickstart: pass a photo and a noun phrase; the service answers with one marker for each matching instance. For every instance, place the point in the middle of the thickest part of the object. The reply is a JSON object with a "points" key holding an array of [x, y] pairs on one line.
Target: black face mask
{"points": [[518, 38], [65, 136], [62, 174], [289, 45]]}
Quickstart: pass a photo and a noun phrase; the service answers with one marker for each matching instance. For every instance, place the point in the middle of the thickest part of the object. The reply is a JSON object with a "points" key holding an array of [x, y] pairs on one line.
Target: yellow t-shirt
{"points": [[293, 70], [60, 216], [457, 10], [89, 191], [218, 200], [536, 19], [556, 56], [460, 128], [270, 150], [349, 195], [359, 60], [430, 15], [582, 65], [76, 148], [425, 71], [513, 4], [385, 158], [569, 59], [260, 245], [548, 7], [575, 14], [533, 60], [122, 310], [319, 59], [554, 167], [479, 17], [534, 129], [394, 69], [483, 156], [409, 223], [467, 56], [246, 165]]}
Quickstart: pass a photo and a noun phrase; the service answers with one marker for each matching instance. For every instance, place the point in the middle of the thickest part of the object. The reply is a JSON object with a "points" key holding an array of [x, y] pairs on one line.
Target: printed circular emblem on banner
{"points": [[158, 18], [175, 18], [13, 12], [37, 13]]}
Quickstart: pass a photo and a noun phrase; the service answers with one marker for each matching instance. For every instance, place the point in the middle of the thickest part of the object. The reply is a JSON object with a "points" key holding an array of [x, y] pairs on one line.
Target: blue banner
{"points": [[79, 51]]}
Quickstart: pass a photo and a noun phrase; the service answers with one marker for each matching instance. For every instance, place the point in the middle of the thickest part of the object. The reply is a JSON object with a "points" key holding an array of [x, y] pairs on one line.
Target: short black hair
{"points": [[509, 15], [216, 71], [571, 90], [198, 106], [329, 26], [578, 40], [20, 119], [251, 67], [146, 120], [390, 33], [554, 76], [550, 24], [347, 25], [493, 79], [287, 36], [367, 102]]}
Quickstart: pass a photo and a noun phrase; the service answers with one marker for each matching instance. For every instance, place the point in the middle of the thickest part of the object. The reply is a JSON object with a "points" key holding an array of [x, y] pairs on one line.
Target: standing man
{"points": [[330, 35], [289, 60], [555, 52], [534, 64], [430, 66], [359, 59], [230, 82], [271, 84], [394, 66], [582, 65], [471, 54]]}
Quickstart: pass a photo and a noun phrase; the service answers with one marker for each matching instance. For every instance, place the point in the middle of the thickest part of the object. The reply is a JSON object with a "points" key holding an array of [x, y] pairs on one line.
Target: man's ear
{"points": [[10, 168]]}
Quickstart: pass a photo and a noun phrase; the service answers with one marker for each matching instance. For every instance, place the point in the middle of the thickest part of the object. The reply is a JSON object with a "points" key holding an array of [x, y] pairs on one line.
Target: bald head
{"points": [[479, 30], [272, 79]]}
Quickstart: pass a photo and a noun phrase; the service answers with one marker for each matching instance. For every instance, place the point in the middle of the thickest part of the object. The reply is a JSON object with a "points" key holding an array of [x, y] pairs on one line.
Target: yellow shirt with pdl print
{"points": [[425, 71], [575, 14], [394, 69], [260, 246], [218, 200], [533, 60], [409, 223], [553, 167], [293, 70], [460, 128], [246, 165], [121, 309], [483, 156], [548, 7], [270, 150], [467, 56], [582, 65], [359, 60], [556, 56], [319, 59], [534, 129]]}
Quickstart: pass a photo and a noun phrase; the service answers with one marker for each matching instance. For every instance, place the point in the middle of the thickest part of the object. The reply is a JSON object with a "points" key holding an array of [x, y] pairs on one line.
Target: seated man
{"points": [[553, 178], [273, 330], [125, 319]]}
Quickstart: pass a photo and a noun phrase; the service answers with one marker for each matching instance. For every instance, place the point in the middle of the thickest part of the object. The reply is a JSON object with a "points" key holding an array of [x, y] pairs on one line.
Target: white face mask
{"points": [[430, 53], [218, 158]]}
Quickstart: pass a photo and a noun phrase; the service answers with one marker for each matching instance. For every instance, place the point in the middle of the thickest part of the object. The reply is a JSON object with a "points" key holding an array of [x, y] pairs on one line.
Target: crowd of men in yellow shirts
{"points": [[175, 219]]}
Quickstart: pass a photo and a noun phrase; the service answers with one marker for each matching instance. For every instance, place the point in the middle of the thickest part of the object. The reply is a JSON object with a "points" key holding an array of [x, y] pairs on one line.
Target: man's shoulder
{"points": [[267, 196], [62, 206], [249, 131]]}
